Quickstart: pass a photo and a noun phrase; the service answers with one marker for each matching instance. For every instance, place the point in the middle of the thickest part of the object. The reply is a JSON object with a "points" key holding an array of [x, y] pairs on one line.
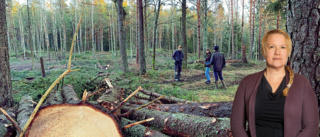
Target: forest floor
{"points": [[161, 80]]}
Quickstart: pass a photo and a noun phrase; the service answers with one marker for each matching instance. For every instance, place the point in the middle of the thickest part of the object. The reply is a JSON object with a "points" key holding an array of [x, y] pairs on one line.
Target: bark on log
{"points": [[178, 124], [70, 95], [6, 128], [55, 97], [110, 99], [208, 109], [166, 99], [139, 130], [25, 109]]}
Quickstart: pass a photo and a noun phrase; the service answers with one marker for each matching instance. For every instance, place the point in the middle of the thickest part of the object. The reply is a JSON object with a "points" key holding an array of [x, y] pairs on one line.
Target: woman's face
{"points": [[276, 53], [207, 51]]}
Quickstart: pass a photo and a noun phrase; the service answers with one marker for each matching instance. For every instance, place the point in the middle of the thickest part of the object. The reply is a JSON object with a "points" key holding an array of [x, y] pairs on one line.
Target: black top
{"points": [[218, 61], [177, 56], [269, 110]]}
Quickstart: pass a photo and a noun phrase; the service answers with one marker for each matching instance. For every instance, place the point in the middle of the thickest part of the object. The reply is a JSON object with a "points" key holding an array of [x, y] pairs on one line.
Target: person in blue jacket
{"points": [[207, 64], [218, 62], [178, 58]]}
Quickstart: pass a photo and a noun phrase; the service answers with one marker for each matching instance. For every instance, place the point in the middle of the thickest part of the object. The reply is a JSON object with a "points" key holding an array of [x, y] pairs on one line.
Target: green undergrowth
{"points": [[160, 80]]}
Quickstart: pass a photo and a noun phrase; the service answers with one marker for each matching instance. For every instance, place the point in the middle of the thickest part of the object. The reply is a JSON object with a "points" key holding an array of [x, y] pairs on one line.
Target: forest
{"points": [[95, 53]]}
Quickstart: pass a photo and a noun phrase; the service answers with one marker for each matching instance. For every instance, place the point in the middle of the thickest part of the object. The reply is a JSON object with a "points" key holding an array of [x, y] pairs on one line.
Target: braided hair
{"points": [[291, 76]]}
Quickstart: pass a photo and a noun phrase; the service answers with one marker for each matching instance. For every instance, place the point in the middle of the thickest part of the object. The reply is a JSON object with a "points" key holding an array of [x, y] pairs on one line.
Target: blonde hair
{"points": [[291, 76], [275, 31]]}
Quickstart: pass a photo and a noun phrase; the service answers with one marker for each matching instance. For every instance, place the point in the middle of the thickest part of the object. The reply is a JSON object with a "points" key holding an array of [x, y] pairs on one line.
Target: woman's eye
{"points": [[283, 47], [271, 47]]}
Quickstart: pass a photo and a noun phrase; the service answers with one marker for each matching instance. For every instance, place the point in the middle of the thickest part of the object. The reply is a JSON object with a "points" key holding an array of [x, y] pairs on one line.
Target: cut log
{"points": [[111, 99], [54, 98], [139, 130], [208, 109], [166, 99], [25, 109], [178, 124], [70, 120], [70, 95]]}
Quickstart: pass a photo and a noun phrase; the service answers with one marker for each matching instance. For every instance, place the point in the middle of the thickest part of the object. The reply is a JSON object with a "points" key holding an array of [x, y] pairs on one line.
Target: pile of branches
{"points": [[142, 113]]}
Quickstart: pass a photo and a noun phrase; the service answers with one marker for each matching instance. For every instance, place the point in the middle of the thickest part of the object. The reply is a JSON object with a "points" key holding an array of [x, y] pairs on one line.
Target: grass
{"points": [[161, 80]]}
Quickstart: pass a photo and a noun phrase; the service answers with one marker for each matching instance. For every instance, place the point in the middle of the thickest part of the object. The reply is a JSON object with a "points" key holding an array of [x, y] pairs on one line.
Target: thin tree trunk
{"points": [[253, 20], [157, 12], [92, 33], [122, 38], [205, 27], [5, 75], [250, 30], [23, 45], [143, 68], [137, 34], [244, 47], [260, 23], [146, 44], [30, 35], [184, 34], [232, 32], [198, 26], [46, 35]]}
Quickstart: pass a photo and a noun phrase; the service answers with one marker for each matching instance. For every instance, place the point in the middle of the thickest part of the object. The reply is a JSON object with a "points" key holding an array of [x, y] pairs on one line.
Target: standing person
{"points": [[177, 57], [207, 64], [275, 102], [219, 62]]}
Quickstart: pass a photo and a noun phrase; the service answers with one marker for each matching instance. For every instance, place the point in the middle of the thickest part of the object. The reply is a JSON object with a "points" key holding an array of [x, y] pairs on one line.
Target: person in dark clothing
{"points": [[207, 64], [219, 62], [178, 58]]}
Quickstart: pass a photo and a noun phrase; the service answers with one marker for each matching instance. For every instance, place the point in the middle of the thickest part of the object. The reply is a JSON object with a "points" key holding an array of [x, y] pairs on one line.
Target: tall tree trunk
{"points": [[304, 27], [143, 68], [46, 35], [259, 43], [30, 35], [23, 45], [55, 35], [5, 76], [184, 34], [232, 32], [92, 33], [101, 38], [156, 11], [145, 23], [244, 47], [137, 34], [198, 26], [122, 38], [172, 27], [250, 30], [205, 27]]}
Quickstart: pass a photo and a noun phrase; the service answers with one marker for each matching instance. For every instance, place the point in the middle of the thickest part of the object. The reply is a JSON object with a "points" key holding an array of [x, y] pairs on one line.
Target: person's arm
{"points": [[238, 114], [310, 114], [174, 56], [211, 60]]}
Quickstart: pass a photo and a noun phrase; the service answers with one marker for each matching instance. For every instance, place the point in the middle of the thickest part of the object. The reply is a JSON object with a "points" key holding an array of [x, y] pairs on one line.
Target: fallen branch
{"points": [[136, 123], [15, 124], [123, 102]]}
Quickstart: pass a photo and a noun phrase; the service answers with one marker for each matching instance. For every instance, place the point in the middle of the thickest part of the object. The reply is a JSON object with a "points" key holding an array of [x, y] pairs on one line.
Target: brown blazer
{"points": [[301, 116]]}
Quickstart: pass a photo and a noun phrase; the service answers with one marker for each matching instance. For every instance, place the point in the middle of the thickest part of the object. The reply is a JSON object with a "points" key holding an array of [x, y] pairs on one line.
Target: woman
{"points": [[275, 102], [207, 65]]}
